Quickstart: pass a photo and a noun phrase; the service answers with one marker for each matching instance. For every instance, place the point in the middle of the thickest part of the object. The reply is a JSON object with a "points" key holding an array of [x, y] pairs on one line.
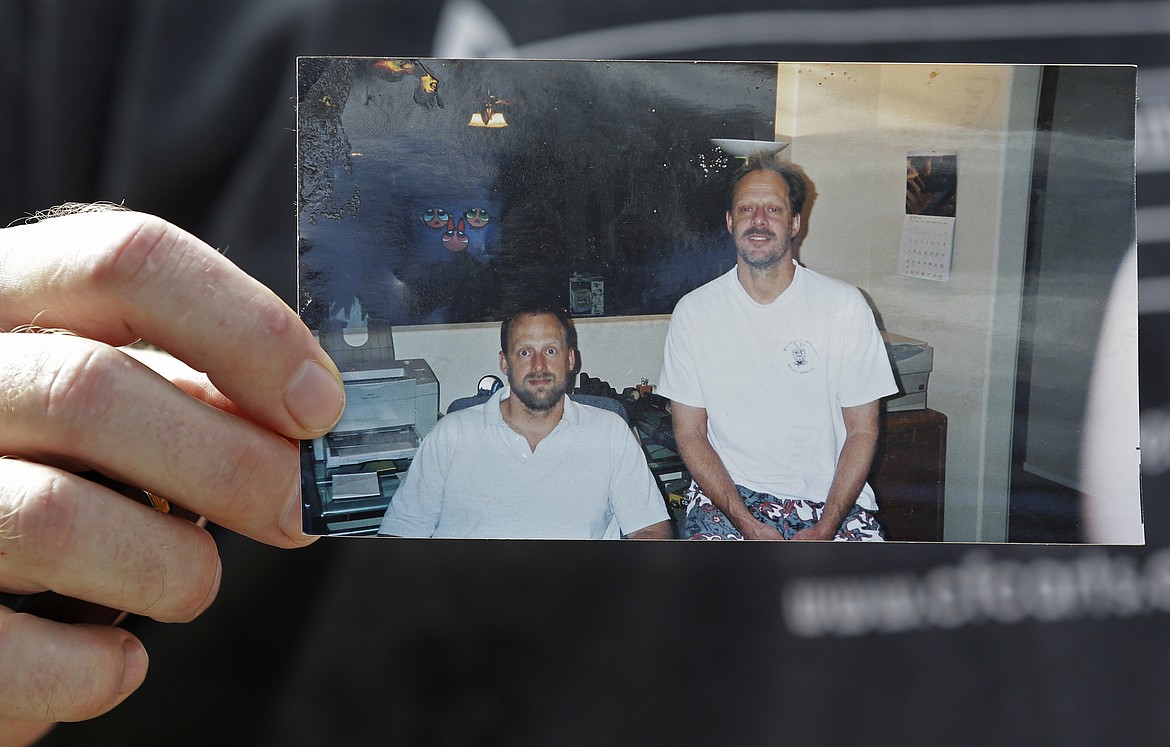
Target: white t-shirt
{"points": [[774, 377], [473, 476]]}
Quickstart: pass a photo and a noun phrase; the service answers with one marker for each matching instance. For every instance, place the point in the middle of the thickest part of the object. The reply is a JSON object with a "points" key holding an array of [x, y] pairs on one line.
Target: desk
{"points": [[909, 475]]}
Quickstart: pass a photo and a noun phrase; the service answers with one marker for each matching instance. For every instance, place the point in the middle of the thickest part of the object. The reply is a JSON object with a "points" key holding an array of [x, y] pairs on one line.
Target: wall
{"points": [[621, 351], [851, 126]]}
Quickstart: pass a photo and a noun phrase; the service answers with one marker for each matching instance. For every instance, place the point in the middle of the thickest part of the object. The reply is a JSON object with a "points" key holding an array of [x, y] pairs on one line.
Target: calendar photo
{"points": [[888, 302], [932, 184]]}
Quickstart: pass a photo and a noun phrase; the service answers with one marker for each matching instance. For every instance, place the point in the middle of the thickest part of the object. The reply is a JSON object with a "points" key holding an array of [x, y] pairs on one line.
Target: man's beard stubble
{"points": [[536, 402], [764, 263]]}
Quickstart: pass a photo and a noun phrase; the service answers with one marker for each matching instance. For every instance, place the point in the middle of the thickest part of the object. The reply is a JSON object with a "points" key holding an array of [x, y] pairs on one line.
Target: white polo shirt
{"points": [[473, 476]]}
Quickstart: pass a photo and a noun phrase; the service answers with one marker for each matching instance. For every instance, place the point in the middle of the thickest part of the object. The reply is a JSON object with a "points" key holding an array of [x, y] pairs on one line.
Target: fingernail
{"points": [[292, 523], [214, 591], [134, 665], [316, 398]]}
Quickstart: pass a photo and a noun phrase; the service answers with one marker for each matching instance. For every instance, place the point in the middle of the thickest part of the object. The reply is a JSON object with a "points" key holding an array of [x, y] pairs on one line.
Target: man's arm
{"points": [[417, 505], [633, 491], [707, 469], [658, 530], [76, 402], [861, 434]]}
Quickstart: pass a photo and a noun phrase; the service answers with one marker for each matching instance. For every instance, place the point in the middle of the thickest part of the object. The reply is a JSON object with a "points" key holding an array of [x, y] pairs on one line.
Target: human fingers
{"points": [[14, 733], [808, 534], [58, 672], [72, 400], [61, 532], [757, 530], [120, 276]]}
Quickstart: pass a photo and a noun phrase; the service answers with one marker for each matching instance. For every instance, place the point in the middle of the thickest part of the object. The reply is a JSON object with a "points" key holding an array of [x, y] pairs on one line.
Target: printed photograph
{"points": [[680, 300], [931, 184]]}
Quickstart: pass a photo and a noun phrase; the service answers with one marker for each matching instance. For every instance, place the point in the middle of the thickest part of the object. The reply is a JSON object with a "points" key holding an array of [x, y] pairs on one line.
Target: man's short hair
{"points": [[770, 160], [561, 316]]}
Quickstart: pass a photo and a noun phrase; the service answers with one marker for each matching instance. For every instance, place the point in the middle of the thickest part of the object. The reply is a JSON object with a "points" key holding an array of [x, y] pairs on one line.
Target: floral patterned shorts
{"points": [[787, 515]]}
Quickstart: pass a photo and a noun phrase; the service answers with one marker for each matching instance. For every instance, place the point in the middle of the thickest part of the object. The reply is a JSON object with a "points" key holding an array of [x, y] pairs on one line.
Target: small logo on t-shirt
{"points": [[801, 356]]}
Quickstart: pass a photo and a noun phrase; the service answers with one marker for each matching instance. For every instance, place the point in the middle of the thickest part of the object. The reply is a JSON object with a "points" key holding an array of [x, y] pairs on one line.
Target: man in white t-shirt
{"points": [[530, 462], [774, 372]]}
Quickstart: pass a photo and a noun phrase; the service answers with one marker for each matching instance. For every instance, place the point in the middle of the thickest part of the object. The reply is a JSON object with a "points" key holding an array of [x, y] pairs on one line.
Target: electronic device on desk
{"points": [[391, 405], [387, 413], [604, 394], [652, 419], [586, 294], [595, 387], [350, 499], [913, 361]]}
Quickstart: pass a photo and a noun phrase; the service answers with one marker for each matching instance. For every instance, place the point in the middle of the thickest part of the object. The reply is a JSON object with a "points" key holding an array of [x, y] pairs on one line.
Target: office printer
{"points": [[387, 413], [390, 405], [913, 361]]}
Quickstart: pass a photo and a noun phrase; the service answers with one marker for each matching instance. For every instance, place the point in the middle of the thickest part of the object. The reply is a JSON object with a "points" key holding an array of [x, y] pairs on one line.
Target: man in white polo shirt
{"points": [[530, 462], [774, 372]]}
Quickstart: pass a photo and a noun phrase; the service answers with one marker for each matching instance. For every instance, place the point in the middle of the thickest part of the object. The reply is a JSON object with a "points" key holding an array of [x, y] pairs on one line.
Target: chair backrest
{"points": [[605, 403], [465, 402]]}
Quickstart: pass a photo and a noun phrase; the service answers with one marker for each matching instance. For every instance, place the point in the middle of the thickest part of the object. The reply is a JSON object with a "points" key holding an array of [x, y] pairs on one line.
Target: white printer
{"points": [[387, 413], [912, 361], [390, 404]]}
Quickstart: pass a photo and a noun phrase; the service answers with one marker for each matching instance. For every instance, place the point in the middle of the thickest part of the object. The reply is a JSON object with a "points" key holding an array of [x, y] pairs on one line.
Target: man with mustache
{"points": [[774, 373], [530, 462]]}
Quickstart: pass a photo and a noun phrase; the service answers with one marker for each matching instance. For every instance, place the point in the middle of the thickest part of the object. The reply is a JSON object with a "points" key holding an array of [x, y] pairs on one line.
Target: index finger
{"points": [[122, 276]]}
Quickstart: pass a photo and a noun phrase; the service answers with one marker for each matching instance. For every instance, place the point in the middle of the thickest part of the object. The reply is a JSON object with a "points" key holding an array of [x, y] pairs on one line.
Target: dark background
{"points": [[604, 170], [186, 110]]}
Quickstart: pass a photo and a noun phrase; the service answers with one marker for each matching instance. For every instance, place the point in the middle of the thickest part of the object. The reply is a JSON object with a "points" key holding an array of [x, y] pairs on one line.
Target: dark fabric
{"points": [[186, 109]]}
